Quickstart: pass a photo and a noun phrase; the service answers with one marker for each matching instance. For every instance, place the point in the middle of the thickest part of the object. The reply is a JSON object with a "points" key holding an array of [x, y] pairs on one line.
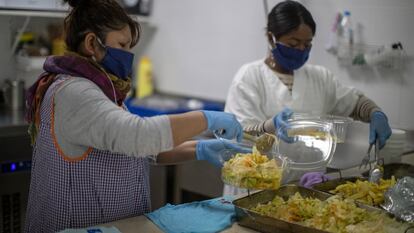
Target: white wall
{"points": [[200, 44], [383, 22]]}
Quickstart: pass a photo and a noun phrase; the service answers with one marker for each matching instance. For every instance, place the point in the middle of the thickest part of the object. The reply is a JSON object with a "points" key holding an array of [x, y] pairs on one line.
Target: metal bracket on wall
{"points": [[266, 8], [18, 35]]}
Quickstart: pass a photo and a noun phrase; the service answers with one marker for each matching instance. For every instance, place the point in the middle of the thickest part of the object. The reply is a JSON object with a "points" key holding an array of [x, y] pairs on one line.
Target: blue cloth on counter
{"points": [[197, 217], [93, 230]]}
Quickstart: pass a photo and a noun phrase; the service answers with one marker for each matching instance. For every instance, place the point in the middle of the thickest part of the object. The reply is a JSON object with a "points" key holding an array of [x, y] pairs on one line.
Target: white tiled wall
{"points": [[200, 44]]}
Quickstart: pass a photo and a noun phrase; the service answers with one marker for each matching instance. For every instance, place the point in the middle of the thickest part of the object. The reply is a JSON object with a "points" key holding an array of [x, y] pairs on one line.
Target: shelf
{"points": [[390, 56], [39, 13], [28, 14], [53, 14], [28, 64]]}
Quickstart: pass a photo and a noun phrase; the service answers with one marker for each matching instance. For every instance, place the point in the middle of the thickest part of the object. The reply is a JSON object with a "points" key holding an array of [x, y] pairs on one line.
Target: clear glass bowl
{"points": [[255, 171], [340, 123], [310, 144]]}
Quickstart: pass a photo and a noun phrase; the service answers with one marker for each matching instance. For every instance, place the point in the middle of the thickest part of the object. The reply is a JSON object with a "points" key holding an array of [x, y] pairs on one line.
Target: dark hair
{"points": [[99, 17], [286, 17]]}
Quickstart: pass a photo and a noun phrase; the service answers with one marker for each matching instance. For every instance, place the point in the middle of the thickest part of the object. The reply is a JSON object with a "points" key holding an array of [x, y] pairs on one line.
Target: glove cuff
{"points": [[206, 116], [379, 113], [199, 149], [269, 126]]}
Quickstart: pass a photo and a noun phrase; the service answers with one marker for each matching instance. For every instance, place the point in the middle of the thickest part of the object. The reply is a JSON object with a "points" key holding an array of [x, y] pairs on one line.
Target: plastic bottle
{"points": [[336, 30], [346, 39], [347, 29], [58, 46], [144, 84]]}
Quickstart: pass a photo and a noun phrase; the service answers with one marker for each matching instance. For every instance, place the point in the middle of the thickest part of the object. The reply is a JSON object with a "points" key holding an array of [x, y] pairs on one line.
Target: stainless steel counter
{"points": [[14, 139]]}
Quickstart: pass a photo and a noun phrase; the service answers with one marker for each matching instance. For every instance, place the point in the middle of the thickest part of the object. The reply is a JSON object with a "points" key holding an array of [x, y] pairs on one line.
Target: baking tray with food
{"points": [[359, 189], [297, 209]]}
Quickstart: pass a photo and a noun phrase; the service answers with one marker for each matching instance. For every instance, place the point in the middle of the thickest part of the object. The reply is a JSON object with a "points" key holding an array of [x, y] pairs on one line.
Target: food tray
{"points": [[332, 184], [398, 170], [256, 221]]}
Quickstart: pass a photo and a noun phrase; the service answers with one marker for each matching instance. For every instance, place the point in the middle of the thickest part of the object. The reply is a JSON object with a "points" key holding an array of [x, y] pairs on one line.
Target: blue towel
{"points": [[202, 217], [93, 230]]}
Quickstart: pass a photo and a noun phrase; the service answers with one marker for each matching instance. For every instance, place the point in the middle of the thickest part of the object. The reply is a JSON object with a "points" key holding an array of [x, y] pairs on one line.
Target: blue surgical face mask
{"points": [[117, 61], [290, 58]]}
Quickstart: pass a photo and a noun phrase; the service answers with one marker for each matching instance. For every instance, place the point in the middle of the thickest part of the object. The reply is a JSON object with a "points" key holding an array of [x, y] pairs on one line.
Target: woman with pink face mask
{"points": [[265, 93]]}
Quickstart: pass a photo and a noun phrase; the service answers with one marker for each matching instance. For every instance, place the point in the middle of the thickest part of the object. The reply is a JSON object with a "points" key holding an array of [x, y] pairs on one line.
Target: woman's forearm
{"points": [[187, 125], [182, 153], [363, 109]]}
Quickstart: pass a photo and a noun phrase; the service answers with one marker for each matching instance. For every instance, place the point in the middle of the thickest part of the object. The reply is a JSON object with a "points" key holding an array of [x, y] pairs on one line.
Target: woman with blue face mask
{"points": [[265, 93], [91, 156]]}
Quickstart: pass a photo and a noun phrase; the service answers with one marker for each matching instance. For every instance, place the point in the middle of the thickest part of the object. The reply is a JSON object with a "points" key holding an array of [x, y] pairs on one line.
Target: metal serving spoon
{"points": [[264, 142], [377, 172]]}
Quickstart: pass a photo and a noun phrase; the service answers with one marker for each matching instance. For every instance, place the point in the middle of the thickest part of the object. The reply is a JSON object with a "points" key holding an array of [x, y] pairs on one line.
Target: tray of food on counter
{"points": [[297, 209], [359, 189]]}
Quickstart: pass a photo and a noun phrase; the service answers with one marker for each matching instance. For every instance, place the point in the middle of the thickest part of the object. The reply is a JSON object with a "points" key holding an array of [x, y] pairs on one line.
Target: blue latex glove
{"points": [[379, 129], [279, 121], [311, 178], [214, 150], [224, 123]]}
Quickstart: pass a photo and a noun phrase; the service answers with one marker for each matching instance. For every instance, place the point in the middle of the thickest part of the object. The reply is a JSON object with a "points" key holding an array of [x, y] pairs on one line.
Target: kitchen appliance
{"points": [[15, 166]]}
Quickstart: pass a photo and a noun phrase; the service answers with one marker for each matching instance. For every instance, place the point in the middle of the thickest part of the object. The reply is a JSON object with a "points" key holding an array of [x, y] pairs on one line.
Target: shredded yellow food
{"points": [[364, 191], [252, 171], [333, 215]]}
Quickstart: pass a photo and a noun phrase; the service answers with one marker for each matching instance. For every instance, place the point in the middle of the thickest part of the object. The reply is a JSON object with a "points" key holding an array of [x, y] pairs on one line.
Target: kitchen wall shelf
{"points": [[390, 56], [52, 14], [33, 13], [28, 14]]}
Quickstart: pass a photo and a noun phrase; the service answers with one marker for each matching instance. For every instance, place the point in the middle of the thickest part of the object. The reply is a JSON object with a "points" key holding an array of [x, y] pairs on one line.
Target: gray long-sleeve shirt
{"points": [[85, 117]]}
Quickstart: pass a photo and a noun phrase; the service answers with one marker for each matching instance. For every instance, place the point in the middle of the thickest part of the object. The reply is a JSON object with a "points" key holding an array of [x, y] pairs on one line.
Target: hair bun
{"points": [[73, 3]]}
